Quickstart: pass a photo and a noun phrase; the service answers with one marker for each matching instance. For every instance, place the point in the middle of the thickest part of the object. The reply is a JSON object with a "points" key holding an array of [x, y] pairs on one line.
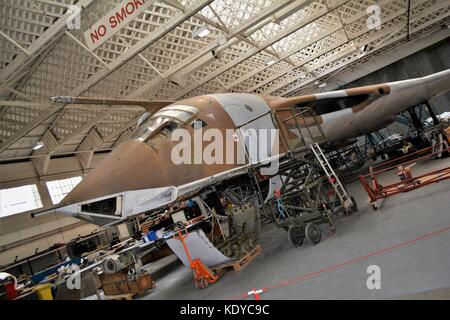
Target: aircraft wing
{"points": [[342, 98]]}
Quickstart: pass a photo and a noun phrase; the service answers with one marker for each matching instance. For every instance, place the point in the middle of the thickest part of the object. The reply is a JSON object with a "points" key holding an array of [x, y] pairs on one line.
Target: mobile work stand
{"points": [[310, 191], [403, 169]]}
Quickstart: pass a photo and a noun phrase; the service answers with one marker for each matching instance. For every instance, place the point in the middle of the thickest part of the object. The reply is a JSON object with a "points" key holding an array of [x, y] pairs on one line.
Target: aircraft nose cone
{"points": [[131, 166]]}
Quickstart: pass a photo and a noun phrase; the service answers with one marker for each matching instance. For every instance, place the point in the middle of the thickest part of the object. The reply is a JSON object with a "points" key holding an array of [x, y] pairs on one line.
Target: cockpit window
{"points": [[179, 115], [197, 124], [142, 118], [164, 132], [172, 115], [169, 128]]}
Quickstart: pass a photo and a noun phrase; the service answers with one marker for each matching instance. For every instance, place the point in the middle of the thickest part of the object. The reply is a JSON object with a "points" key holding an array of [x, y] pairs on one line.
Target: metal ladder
{"points": [[344, 198]]}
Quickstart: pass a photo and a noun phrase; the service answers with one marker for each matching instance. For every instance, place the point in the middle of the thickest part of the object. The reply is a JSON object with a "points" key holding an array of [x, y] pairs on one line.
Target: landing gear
{"points": [[313, 233], [296, 235]]}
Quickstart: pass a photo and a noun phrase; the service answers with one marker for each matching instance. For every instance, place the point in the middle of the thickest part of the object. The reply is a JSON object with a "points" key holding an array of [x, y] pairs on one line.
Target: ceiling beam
{"points": [[93, 141], [51, 144], [289, 80], [297, 49], [52, 110], [291, 90], [254, 51], [219, 45], [133, 51], [390, 57], [23, 60]]}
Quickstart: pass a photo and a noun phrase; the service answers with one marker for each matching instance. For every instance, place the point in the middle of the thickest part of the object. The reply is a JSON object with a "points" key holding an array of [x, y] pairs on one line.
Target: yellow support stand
{"points": [[44, 292]]}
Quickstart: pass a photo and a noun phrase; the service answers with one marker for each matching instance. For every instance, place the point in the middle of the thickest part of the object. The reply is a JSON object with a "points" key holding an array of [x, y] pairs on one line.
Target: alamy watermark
{"points": [[213, 147], [374, 280], [73, 21], [374, 19], [73, 282]]}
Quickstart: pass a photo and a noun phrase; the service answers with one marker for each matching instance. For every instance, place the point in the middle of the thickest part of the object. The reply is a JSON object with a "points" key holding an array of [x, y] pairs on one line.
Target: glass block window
{"points": [[58, 189], [20, 199]]}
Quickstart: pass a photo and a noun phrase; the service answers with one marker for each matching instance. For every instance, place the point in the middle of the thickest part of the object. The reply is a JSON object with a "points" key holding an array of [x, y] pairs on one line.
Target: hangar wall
{"points": [[21, 235]]}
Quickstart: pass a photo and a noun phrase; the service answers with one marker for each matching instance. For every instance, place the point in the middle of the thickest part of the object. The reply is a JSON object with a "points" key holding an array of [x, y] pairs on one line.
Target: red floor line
{"points": [[350, 262]]}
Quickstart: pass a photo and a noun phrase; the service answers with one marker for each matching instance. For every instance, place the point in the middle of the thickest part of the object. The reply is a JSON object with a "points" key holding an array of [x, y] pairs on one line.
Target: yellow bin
{"points": [[44, 292]]}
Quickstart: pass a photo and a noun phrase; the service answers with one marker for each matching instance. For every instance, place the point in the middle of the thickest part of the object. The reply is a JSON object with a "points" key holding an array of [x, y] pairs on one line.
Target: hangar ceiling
{"points": [[172, 50]]}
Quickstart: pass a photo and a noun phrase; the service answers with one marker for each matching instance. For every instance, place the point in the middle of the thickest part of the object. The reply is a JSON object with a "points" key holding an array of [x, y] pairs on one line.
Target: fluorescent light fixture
{"points": [[322, 85], [270, 62], [38, 145], [363, 51], [201, 33]]}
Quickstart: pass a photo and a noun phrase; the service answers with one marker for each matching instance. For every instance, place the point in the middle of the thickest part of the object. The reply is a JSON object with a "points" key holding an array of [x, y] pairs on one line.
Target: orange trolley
{"points": [[203, 275]]}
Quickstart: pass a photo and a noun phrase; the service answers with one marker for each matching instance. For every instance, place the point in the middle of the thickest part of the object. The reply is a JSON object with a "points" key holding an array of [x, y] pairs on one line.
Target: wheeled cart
{"points": [[309, 190]]}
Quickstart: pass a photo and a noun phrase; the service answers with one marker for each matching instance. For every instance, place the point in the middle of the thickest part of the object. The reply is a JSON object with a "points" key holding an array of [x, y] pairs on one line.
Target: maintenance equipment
{"points": [[407, 181], [310, 191], [203, 275]]}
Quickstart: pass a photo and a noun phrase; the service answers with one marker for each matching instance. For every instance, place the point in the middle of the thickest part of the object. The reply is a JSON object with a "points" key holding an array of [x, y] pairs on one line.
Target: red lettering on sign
{"points": [[129, 8], [113, 22], [119, 16], [97, 34], [94, 36], [138, 3], [101, 30], [122, 15]]}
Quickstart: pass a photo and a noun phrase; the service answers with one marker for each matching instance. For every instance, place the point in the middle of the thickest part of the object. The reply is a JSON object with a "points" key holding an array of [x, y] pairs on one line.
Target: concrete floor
{"points": [[408, 238]]}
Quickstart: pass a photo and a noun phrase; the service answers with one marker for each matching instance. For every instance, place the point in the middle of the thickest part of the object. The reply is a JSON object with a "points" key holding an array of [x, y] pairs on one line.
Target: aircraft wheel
{"points": [[374, 207], [312, 232], [296, 235]]}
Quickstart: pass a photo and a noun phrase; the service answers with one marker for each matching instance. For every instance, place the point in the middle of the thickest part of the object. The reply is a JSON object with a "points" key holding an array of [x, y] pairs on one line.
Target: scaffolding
{"points": [[309, 191]]}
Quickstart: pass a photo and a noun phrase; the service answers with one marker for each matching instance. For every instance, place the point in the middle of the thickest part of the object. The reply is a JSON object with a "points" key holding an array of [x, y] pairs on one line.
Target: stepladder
{"points": [[346, 201]]}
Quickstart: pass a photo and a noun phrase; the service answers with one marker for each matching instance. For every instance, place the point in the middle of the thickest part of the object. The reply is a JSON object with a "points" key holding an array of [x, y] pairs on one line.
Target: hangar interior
{"points": [[170, 50]]}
